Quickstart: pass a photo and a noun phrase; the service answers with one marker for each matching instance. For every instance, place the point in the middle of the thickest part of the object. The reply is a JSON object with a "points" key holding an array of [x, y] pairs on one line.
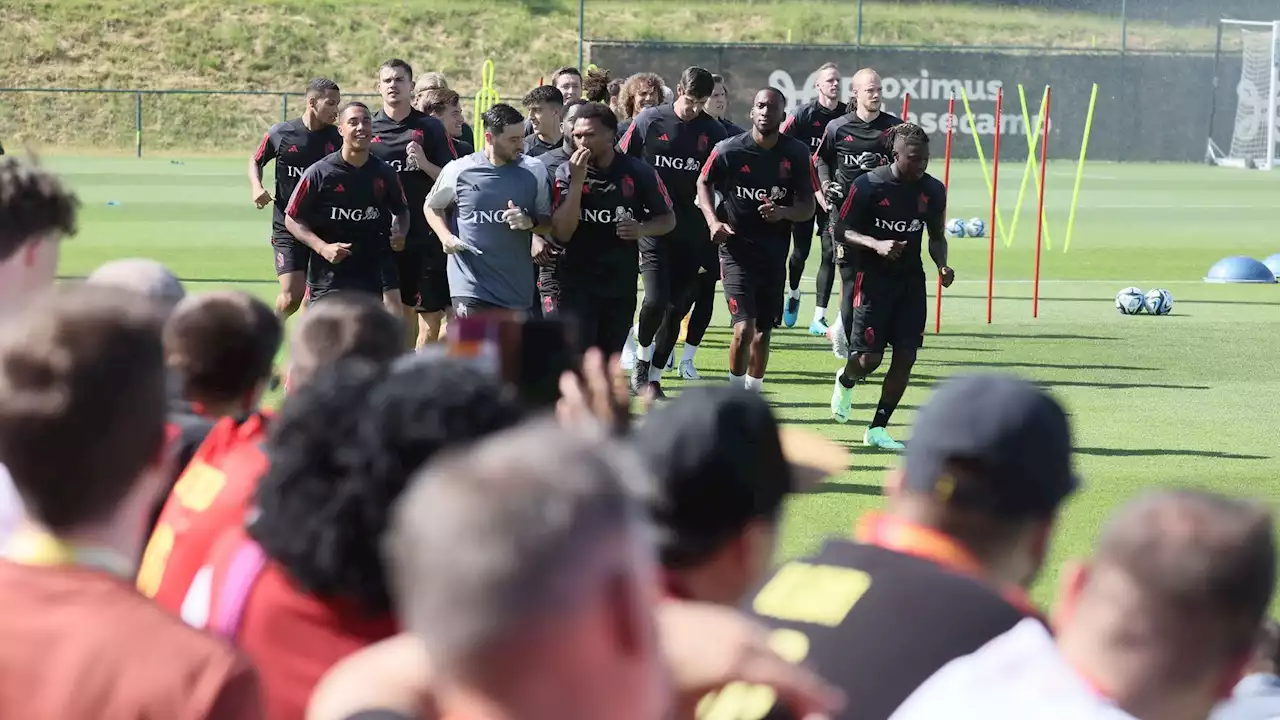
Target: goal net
{"points": [[1254, 133]]}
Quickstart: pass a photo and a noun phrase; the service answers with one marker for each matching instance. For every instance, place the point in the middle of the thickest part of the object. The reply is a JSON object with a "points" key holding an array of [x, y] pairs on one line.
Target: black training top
{"points": [[342, 203], [294, 148], [677, 150], [390, 144], [885, 208], [535, 146], [746, 174], [808, 123], [851, 146]]}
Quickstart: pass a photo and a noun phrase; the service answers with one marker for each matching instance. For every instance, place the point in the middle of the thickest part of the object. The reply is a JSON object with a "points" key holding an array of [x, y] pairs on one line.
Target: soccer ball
{"points": [[975, 227], [1130, 300], [1158, 302], [955, 227]]}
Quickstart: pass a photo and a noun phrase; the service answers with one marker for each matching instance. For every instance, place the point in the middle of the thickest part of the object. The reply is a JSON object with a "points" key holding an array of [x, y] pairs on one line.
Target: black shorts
{"points": [[291, 255], [676, 262], [601, 322], [433, 288], [753, 285], [549, 288], [410, 264], [886, 310]]}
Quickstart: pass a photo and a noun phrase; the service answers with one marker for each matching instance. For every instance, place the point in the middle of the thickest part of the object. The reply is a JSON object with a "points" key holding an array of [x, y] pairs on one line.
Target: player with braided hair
{"points": [[879, 227]]}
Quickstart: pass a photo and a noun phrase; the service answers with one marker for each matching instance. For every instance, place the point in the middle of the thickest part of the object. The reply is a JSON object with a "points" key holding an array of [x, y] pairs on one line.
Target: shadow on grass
{"points": [[1116, 385], [1165, 452], [1023, 336], [849, 489], [1107, 300], [1046, 366]]}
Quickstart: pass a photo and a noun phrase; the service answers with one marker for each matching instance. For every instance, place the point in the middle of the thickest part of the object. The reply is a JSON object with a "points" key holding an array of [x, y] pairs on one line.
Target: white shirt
{"points": [[1256, 697], [10, 506], [1019, 675]]}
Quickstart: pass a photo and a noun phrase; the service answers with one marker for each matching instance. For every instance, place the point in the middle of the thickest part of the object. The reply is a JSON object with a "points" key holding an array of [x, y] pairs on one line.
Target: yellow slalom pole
{"points": [[1034, 164], [486, 97], [1026, 171], [1084, 148], [982, 158]]}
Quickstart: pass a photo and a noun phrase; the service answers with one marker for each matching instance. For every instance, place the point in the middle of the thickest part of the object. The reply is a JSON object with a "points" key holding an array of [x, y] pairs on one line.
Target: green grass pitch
{"points": [[1188, 399]]}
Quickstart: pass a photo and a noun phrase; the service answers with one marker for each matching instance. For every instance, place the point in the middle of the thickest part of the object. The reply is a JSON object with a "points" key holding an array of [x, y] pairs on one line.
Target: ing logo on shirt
{"points": [[674, 163], [760, 194], [354, 215]]}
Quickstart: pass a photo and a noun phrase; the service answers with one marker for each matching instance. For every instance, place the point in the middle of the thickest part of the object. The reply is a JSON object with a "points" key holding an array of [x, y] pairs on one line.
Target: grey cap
{"points": [[142, 276]]}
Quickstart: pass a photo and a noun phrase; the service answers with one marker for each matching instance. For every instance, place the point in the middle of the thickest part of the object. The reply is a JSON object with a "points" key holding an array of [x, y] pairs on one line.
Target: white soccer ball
{"points": [[1130, 300], [975, 227], [955, 227], [1158, 301]]}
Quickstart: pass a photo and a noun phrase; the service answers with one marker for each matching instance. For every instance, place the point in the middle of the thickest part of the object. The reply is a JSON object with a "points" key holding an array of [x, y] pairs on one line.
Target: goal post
{"points": [[1254, 131]]}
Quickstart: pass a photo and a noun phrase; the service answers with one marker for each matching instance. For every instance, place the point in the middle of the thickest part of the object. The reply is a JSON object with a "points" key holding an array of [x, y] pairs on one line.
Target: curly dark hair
{"points": [[342, 451], [910, 133], [595, 86]]}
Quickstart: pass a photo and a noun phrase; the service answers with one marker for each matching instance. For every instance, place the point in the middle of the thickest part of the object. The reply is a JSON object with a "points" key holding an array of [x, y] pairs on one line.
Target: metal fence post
{"points": [[1124, 26], [138, 120], [582, 29], [858, 44], [284, 107]]}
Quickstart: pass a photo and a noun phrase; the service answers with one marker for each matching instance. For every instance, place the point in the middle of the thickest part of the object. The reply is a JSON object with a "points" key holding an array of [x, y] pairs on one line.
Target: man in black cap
{"points": [[723, 468], [944, 569]]}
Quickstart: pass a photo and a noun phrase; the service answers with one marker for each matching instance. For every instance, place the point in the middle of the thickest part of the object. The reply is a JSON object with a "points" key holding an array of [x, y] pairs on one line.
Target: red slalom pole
{"points": [[946, 183], [991, 226], [906, 105], [1044, 160]]}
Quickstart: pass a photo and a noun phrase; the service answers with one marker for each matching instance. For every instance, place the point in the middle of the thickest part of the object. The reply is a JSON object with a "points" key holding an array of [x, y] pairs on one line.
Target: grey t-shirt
{"points": [[502, 272]]}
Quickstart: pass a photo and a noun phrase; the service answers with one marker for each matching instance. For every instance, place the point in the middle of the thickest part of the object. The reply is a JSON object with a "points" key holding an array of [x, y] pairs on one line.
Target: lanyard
{"points": [[41, 549]]}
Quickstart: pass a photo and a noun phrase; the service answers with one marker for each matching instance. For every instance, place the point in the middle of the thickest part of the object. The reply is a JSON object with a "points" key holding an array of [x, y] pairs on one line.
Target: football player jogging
{"points": [[417, 146], [675, 140], [500, 200], [295, 146], [880, 225], [549, 262], [807, 124], [606, 202], [337, 210], [851, 145], [766, 183]]}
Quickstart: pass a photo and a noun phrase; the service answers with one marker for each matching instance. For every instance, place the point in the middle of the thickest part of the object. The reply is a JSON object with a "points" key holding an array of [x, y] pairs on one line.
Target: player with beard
{"points": [[675, 140], [808, 124], [295, 146], [853, 144], [337, 210], [880, 226], [416, 146], [545, 106], [548, 263], [501, 201], [766, 183], [606, 202], [640, 91]]}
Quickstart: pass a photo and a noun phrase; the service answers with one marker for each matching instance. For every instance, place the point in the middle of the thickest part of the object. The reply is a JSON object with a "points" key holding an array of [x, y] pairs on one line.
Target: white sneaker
{"points": [[839, 343], [671, 361], [688, 371], [841, 401], [628, 359]]}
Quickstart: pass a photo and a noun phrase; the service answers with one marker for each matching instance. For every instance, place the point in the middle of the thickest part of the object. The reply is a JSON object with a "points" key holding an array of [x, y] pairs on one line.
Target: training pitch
{"points": [[1188, 399]]}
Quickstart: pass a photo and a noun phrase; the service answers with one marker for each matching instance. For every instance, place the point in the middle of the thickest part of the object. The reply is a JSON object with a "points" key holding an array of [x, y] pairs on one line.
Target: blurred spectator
{"points": [[36, 212], [526, 567], [304, 587], [1159, 624], [221, 348], [83, 369], [1257, 695], [155, 282], [724, 468], [222, 484], [943, 570]]}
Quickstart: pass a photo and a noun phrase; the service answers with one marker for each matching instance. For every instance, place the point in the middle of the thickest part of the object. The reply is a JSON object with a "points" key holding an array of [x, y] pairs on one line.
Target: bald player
{"points": [[1160, 623], [852, 145]]}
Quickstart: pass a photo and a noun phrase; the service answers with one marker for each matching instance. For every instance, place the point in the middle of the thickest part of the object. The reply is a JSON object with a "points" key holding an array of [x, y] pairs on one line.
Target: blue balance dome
{"points": [[1273, 263], [1240, 269]]}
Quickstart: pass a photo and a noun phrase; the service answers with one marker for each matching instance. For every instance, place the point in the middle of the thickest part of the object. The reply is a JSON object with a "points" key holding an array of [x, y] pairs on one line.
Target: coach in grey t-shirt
{"points": [[500, 199]]}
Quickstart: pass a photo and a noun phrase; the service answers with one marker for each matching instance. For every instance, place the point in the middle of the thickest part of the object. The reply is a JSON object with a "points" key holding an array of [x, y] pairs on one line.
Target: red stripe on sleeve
{"points": [[813, 175], [453, 151], [261, 154], [786, 126], [625, 143], [706, 168], [848, 202], [662, 188], [299, 193]]}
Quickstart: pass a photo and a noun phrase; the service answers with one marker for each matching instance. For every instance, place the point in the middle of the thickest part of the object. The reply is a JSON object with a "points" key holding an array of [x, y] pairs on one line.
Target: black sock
{"points": [[883, 413], [846, 381]]}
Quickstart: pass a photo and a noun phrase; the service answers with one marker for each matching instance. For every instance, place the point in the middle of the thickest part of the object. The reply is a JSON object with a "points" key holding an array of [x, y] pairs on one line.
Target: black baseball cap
{"points": [[995, 443], [721, 461]]}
